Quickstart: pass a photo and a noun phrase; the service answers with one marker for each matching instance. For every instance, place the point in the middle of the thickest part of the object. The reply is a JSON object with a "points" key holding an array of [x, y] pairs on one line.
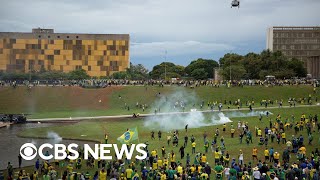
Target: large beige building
{"points": [[297, 42], [98, 54]]}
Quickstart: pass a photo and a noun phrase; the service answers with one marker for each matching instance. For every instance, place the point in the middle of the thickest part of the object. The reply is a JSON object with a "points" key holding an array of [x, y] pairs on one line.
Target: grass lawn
{"points": [[56, 102], [94, 130]]}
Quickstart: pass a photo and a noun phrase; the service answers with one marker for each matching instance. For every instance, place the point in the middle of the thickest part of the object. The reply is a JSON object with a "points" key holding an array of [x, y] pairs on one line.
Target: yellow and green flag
{"points": [[130, 135]]}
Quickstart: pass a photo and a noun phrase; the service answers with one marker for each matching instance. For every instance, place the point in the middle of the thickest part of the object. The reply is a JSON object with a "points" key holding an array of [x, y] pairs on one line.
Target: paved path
{"points": [[168, 113]]}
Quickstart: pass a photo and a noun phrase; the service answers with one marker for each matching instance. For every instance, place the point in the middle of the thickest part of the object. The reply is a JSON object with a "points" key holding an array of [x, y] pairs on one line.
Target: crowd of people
{"points": [[102, 83]]}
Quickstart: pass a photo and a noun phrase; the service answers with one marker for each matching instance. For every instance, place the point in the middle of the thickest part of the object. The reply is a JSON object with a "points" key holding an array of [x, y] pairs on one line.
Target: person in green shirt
{"points": [[196, 160], [206, 146], [218, 169], [150, 175], [282, 175], [171, 173], [135, 175], [10, 170], [142, 165], [233, 173], [46, 177]]}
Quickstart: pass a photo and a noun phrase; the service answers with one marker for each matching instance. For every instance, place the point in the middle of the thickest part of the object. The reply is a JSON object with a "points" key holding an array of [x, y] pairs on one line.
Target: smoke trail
{"points": [[194, 119], [33, 142], [54, 137], [247, 114]]}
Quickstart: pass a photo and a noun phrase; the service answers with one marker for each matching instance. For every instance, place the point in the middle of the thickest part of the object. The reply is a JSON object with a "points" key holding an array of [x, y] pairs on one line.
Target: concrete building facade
{"points": [[98, 54], [302, 43]]}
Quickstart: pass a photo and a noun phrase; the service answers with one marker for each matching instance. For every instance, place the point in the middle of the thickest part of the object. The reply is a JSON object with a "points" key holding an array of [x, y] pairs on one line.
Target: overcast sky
{"points": [[186, 29]]}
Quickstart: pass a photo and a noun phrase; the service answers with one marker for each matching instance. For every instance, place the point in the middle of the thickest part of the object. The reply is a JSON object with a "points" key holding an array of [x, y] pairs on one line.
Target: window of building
{"points": [[39, 36], [89, 68], [77, 37], [48, 36], [56, 52], [58, 36], [40, 62], [67, 36], [50, 57]]}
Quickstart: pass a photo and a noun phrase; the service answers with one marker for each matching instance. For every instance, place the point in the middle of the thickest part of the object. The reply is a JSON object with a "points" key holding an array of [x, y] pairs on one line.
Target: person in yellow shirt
{"points": [[192, 169], [103, 175], [254, 153], [259, 132], [203, 159], [303, 150], [266, 155], [160, 163], [232, 132], [276, 157], [129, 172], [173, 160], [163, 176], [106, 138], [204, 176], [199, 168], [224, 127], [193, 147], [180, 169], [35, 175], [166, 162], [216, 156], [283, 136], [70, 168], [153, 153], [154, 165]]}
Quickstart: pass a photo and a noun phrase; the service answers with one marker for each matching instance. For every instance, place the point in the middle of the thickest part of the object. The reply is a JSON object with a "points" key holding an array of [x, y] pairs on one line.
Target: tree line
{"points": [[45, 75]]}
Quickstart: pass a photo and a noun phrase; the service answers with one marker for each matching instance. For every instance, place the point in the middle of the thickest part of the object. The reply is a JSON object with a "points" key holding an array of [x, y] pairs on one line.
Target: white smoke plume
{"points": [[247, 114], [54, 137], [182, 101]]}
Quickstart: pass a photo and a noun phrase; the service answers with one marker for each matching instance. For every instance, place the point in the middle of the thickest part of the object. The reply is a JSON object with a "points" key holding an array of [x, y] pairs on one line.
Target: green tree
{"points": [[136, 72], [252, 64], [207, 64], [298, 67], [237, 72], [166, 70], [78, 74], [199, 74], [120, 75]]}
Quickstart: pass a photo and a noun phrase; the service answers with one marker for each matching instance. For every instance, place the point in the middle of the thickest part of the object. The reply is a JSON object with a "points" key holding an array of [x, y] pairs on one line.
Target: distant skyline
{"points": [[186, 29]]}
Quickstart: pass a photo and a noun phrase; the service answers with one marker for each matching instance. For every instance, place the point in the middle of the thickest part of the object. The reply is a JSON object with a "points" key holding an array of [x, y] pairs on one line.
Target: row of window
{"points": [[298, 47], [299, 53], [296, 34], [57, 37]]}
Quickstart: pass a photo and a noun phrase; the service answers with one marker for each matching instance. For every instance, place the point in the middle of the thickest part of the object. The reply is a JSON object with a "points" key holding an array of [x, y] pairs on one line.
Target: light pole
{"points": [[165, 65], [230, 66]]}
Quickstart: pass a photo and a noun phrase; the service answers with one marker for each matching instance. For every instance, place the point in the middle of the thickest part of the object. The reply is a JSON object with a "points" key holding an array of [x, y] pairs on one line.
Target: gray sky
{"points": [[186, 29]]}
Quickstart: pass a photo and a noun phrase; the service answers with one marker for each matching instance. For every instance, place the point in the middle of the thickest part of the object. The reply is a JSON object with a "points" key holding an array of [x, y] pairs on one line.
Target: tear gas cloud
{"points": [[54, 137], [178, 102]]}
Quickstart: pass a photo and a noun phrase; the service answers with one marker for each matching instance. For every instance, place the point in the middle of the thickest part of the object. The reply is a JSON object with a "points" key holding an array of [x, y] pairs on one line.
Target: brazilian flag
{"points": [[130, 135]]}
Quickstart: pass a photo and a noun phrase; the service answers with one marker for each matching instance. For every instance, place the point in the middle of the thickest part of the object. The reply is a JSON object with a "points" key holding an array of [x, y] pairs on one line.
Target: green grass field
{"points": [[56, 102]]}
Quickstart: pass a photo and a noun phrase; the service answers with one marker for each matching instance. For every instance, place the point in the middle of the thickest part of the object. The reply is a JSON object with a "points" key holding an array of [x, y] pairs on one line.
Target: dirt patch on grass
{"points": [[84, 99]]}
